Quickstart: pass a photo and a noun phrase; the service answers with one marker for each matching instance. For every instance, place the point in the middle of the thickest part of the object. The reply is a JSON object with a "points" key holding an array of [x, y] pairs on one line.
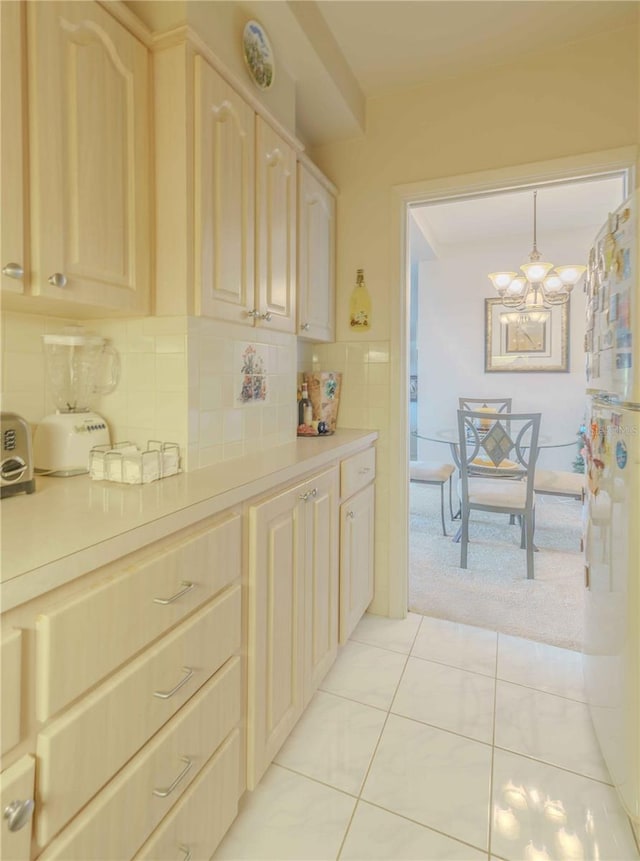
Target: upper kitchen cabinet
{"points": [[226, 197], [13, 260], [276, 229], [89, 158], [316, 254]]}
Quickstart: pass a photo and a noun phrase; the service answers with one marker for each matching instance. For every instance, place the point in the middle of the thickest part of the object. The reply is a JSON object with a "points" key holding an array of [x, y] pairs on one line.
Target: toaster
{"points": [[16, 460]]}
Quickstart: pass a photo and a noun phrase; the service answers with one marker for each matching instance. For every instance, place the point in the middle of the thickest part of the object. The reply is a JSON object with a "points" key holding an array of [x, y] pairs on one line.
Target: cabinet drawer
{"points": [[201, 818], [82, 641], [98, 735], [193, 734], [11, 688], [16, 784], [357, 471]]}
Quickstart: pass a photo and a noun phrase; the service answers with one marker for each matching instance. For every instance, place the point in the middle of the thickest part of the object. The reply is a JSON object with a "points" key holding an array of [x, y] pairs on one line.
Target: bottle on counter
{"points": [[305, 409], [360, 305]]}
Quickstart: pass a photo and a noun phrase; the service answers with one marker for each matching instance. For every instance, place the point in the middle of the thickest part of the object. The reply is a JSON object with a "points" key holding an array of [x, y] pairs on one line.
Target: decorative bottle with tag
{"points": [[360, 305]]}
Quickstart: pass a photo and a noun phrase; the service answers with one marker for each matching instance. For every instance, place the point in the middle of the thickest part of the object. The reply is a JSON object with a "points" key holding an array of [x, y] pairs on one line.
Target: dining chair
{"points": [[496, 405], [511, 447], [430, 472]]}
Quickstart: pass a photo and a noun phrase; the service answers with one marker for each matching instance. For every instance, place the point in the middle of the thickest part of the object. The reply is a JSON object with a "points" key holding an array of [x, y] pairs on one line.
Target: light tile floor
{"points": [[437, 741]]}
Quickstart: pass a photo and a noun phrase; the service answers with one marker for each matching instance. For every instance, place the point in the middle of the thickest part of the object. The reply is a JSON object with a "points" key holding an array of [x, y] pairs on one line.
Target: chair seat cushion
{"points": [[559, 481], [428, 470], [498, 492]]}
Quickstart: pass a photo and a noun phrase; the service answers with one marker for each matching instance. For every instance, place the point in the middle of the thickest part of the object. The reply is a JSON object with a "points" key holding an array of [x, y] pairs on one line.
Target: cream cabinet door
{"points": [[356, 559], [10, 688], [276, 230], [16, 793], [224, 188], [90, 157], [321, 580], [12, 142], [275, 627], [316, 258]]}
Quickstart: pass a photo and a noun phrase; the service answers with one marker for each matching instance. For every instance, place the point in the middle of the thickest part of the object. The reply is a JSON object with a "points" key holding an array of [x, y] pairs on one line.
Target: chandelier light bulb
{"points": [[570, 275], [542, 285]]}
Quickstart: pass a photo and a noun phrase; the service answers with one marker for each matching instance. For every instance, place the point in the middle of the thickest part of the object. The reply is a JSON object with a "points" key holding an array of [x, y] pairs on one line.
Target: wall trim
{"points": [[584, 165]]}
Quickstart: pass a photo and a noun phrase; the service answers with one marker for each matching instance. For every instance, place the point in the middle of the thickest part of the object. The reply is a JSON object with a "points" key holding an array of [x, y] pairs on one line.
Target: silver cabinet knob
{"points": [[13, 270], [18, 813], [253, 313], [351, 514], [57, 280], [305, 327], [266, 316]]}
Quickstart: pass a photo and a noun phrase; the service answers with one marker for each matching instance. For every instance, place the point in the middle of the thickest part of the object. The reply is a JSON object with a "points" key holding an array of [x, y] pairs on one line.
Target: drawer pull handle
{"points": [[187, 852], [187, 588], [18, 813], [364, 470], [164, 695], [162, 793], [309, 494]]}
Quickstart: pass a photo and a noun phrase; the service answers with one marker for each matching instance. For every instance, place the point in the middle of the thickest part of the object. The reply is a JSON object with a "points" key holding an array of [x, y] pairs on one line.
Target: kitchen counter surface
{"points": [[71, 526]]}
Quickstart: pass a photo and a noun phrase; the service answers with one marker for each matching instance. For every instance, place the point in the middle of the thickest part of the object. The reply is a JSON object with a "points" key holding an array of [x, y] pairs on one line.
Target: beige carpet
{"points": [[493, 591]]}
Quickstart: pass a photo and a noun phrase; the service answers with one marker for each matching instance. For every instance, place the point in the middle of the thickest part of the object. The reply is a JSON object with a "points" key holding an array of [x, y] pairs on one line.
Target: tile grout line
{"points": [[377, 745]]}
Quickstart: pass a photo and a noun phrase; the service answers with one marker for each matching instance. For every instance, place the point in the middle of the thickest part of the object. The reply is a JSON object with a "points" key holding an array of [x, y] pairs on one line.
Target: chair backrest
{"points": [[510, 447], [496, 405]]}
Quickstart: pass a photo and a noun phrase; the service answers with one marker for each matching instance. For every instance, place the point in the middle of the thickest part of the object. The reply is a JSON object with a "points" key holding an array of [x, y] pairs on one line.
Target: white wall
{"points": [[451, 345]]}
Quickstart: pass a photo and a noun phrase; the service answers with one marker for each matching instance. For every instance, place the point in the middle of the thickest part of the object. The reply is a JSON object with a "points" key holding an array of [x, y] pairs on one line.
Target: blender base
{"points": [[62, 442]]}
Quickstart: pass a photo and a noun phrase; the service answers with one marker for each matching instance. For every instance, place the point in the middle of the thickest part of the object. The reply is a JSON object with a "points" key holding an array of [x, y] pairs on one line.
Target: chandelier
{"points": [[542, 284]]}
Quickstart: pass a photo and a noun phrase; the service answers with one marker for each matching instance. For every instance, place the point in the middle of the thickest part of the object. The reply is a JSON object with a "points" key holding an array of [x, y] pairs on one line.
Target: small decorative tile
{"points": [[253, 386]]}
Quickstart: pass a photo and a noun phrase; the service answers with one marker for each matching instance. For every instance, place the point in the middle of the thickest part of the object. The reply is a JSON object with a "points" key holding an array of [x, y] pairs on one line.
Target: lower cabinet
{"points": [[293, 609], [356, 559]]}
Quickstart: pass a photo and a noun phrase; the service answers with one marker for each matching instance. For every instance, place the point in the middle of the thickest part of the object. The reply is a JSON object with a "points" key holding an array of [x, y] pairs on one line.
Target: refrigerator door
{"points": [[613, 314], [612, 605]]}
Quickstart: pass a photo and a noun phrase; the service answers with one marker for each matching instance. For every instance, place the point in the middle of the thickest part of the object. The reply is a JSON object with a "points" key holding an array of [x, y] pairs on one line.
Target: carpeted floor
{"points": [[493, 591]]}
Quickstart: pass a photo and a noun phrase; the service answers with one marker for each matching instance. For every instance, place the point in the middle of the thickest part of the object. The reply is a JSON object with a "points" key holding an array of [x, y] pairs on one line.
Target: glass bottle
{"points": [[360, 305], [305, 409]]}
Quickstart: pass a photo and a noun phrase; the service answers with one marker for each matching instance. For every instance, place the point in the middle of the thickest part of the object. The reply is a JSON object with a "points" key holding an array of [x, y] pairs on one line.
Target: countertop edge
{"points": [[26, 585]]}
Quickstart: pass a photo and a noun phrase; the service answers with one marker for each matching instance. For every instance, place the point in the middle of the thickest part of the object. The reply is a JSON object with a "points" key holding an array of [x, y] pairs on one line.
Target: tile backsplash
{"points": [[182, 380]]}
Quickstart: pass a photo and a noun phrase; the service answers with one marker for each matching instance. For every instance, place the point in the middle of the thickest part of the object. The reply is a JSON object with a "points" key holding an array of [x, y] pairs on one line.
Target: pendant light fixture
{"points": [[542, 284]]}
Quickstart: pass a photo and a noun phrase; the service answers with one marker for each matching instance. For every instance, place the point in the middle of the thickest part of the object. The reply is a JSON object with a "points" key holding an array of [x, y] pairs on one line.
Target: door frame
{"points": [[584, 166]]}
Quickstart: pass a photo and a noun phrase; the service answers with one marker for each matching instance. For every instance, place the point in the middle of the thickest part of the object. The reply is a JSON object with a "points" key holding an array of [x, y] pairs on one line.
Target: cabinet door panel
{"points": [[12, 128], [224, 198], [276, 608], [88, 104], [11, 686], [17, 784], [316, 259], [356, 559], [276, 228], [321, 582]]}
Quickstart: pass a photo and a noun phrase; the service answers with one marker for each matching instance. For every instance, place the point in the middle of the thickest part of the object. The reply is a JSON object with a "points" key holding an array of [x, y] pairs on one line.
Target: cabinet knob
{"points": [[13, 270], [351, 514], [305, 327], [305, 497], [266, 316], [253, 313], [57, 280], [18, 813]]}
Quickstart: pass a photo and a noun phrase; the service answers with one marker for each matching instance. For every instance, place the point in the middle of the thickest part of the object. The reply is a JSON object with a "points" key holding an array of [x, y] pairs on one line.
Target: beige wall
{"points": [[585, 99]]}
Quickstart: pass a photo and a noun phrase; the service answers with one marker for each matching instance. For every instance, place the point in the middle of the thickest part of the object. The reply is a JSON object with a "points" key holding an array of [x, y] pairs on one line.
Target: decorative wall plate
{"points": [[258, 54]]}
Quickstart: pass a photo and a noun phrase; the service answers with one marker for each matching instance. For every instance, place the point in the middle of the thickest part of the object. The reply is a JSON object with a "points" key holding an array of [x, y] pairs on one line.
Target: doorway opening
{"points": [[452, 242]]}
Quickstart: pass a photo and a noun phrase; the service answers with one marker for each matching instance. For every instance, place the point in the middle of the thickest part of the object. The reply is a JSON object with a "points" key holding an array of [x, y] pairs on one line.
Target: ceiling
{"points": [[350, 50], [560, 207], [399, 43]]}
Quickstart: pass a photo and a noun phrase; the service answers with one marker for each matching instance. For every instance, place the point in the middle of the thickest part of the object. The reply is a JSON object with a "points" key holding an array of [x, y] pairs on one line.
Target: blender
{"points": [[79, 365]]}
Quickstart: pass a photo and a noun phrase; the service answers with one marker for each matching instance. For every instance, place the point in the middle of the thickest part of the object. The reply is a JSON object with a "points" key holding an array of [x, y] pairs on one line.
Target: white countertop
{"points": [[71, 526]]}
